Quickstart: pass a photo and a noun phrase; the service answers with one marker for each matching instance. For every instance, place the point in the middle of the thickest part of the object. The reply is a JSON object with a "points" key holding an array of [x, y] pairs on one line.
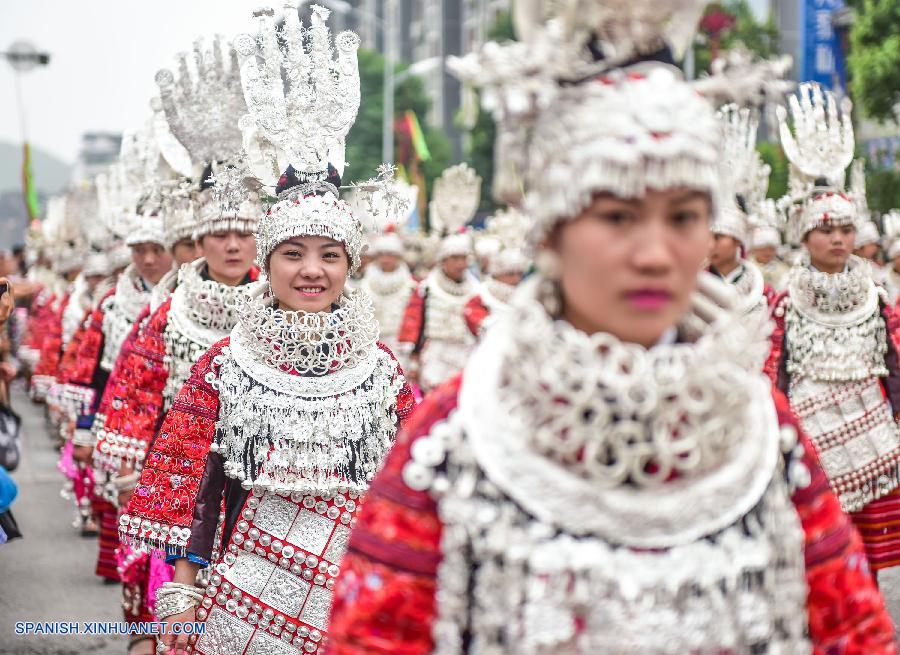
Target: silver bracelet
{"points": [[83, 437], [170, 588], [173, 604], [174, 598]]}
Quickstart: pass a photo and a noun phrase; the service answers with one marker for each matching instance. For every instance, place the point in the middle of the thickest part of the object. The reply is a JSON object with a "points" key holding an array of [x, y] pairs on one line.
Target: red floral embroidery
{"points": [[773, 362], [132, 402], [174, 467], [384, 600]]}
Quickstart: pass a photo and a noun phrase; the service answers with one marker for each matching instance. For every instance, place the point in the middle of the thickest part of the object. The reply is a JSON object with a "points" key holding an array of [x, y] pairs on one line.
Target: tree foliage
{"points": [[874, 57], [364, 140], [759, 38], [774, 156]]}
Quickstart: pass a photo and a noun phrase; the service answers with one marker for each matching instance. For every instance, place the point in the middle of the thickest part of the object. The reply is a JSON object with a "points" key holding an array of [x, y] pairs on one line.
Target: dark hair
{"points": [[292, 178]]}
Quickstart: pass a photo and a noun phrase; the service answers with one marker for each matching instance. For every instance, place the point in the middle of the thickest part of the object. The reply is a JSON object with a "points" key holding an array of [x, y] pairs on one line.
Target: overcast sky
{"points": [[104, 56]]}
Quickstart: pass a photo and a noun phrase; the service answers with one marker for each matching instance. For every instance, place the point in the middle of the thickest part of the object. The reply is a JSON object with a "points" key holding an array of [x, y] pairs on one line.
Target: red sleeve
{"points": [[70, 354], [384, 598], [846, 611], [51, 350], [88, 354], [770, 294], [132, 402], [773, 362], [474, 313], [78, 395], [413, 317], [160, 512]]}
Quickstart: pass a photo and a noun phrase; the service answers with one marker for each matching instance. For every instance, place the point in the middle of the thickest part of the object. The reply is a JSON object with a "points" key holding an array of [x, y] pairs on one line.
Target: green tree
{"points": [[874, 57], [774, 156], [759, 38], [882, 188], [364, 140]]}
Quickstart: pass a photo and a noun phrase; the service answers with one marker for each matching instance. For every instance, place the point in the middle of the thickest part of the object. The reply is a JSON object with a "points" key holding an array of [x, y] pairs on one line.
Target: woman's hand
{"points": [[82, 454], [177, 643], [6, 300]]}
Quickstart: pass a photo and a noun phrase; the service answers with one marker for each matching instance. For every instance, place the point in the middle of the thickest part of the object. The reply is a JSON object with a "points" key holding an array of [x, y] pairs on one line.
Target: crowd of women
{"points": [[645, 409]]}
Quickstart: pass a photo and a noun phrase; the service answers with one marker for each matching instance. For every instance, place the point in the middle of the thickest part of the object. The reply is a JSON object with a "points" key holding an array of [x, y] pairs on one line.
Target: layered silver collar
{"points": [[833, 298], [606, 424], [438, 281], [306, 343], [204, 310], [379, 283]]}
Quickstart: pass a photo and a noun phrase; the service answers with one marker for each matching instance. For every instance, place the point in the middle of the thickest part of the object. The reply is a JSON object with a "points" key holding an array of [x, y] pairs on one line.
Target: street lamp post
{"points": [[23, 57]]}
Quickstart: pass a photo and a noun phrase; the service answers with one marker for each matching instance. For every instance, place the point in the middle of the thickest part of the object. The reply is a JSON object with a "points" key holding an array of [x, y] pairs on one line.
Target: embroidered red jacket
{"points": [[182, 484], [50, 328], [385, 598]]}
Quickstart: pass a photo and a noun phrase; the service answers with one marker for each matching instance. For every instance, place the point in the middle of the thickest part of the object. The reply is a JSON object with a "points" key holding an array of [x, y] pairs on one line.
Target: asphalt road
{"points": [[49, 575]]}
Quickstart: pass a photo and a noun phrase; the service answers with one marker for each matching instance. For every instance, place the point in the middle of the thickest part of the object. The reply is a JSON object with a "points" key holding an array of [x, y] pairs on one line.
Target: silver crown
{"points": [[569, 127], [232, 203], [743, 173], [179, 212], [455, 198], [300, 118], [203, 106], [301, 103], [820, 146]]}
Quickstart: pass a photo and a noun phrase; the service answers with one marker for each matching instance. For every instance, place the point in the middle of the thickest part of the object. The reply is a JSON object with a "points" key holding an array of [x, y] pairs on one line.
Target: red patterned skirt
{"points": [[107, 520], [879, 524]]}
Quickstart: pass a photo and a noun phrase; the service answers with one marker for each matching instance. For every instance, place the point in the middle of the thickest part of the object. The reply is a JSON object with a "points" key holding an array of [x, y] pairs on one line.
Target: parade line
{"points": [[107, 628]]}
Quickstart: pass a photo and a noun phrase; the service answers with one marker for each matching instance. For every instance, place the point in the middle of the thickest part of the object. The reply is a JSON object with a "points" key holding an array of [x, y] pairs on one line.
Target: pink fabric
{"points": [[160, 572], [66, 464]]}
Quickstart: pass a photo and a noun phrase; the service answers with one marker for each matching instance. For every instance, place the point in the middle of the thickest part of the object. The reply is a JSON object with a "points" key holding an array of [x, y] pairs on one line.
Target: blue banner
{"points": [[822, 56]]}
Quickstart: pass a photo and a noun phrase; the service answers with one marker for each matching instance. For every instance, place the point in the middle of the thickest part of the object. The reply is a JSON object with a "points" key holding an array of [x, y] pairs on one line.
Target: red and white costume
{"points": [[576, 493], [280, 426]]}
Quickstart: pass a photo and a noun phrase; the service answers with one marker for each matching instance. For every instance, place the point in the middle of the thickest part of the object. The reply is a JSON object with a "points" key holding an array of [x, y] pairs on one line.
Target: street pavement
{"points": [[49, 574]]}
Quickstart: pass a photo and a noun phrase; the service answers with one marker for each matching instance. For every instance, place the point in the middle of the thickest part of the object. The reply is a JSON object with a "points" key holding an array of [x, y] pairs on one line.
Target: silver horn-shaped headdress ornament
{"points": [[820, 148], [203, 103]]}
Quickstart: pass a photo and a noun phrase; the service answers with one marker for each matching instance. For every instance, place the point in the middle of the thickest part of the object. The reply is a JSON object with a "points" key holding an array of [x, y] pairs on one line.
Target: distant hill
{"points": [[50, 173]]}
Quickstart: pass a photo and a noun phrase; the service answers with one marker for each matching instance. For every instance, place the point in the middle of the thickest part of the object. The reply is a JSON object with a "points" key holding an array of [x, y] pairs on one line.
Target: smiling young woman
{"points": [[308, 273], [594, 481], [281, 426]]}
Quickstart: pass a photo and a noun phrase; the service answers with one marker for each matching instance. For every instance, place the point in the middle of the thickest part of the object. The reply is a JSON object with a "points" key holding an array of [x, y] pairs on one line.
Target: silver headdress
{"points": [[820, 149], [745, 178], [132, 188], [741, 77], [231, 203], [301, 104], [892, 233], [454, 201], [203, 106], [570, 126], [179, 212], [508, 228], [63, 236]]}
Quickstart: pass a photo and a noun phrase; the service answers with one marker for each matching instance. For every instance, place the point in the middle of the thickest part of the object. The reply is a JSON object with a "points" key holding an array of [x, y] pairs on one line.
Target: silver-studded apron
{"points": [[271, 590], [307, 449]]}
